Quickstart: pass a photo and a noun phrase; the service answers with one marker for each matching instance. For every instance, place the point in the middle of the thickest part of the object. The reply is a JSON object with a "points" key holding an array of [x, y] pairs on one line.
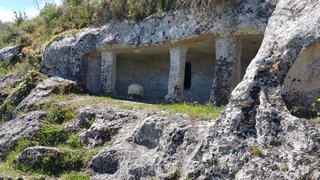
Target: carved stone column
{"points": [[228, 59], [177, 73], [108, 73]]}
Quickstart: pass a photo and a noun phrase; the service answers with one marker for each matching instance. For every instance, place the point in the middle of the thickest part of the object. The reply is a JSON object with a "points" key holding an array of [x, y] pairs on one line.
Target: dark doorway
{"points": [[187, 77]]}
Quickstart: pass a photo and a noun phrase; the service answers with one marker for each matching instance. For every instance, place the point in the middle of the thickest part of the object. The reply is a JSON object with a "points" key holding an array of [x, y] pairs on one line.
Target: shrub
{"points": [[53, 135], [74, 141], [58, 114], [255, 150], [23, 89]]}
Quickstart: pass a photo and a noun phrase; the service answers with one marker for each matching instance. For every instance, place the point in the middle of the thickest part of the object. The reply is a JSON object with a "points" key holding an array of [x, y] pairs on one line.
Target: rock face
{"points": [[50, 86], [255, 138], [35, 156], [23, 127], [64, 57], [10, 54]]}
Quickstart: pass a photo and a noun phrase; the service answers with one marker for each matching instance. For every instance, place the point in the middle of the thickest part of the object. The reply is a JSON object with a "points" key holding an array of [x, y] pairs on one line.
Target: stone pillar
{"points": [[177, 73], [108, 73], [228, 56]]}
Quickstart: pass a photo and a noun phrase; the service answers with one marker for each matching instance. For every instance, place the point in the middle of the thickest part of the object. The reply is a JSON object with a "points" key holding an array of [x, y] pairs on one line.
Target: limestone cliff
{"points": [[255, 137]]}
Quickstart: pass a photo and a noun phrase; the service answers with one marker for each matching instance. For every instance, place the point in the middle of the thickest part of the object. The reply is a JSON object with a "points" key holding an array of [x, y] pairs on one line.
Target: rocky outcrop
{"points": [[10, 54], [38, 155], [49, 86], [64, 57], [256, 119], [23, 127], [255, 138]]}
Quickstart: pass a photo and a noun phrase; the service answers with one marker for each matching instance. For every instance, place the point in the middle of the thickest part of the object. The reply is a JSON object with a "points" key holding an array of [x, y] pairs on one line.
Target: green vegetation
{"points": [[76, 14], [75, 176], [311, 111], [58, 114], [205, 112], [255, 150], [284, 167]]}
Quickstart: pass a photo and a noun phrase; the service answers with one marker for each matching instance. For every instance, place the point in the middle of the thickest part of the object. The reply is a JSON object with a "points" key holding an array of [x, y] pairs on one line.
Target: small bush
{"points": [[73, 160], [58, 114], [24, 88], [74, 141], [5, 68], [53, 135], [255, 150], [6, 110]]}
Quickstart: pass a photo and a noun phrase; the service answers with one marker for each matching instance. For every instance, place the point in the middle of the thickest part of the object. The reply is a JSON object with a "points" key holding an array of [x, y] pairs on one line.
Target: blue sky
{"points": [[28, 6]]}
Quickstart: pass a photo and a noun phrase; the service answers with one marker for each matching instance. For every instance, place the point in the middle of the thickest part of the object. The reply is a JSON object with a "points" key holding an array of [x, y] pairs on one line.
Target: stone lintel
{"points": [[108, 73]]}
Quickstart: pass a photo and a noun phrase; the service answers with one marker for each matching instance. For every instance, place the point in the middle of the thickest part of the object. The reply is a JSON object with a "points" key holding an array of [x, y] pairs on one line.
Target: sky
{"points": [[7, 7]]}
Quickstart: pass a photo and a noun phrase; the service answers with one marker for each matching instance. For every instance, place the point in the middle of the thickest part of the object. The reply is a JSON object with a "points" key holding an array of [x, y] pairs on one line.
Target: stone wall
{"points": [[302, 83], [150, 71], [92, 73]]}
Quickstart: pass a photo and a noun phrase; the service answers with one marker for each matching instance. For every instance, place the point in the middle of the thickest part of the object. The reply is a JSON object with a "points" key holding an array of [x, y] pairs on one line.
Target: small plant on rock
{"points": [[58, 114], [255, 150]]}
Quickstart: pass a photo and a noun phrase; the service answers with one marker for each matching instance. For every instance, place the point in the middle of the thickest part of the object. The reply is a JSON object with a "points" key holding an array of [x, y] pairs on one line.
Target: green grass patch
{"points": [[76, 176], [74, 141], [5, 68], [205, 112], [200, 111], [58, 114], [53, 135]]}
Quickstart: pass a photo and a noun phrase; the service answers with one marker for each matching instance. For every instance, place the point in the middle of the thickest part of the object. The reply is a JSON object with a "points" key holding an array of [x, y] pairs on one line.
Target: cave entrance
{"points": [[187, 76], [148, 67]]}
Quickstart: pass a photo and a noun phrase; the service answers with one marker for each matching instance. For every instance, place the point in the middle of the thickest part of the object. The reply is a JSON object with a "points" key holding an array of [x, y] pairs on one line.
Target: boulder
{"points": [[39, 156], [49, 86], [100, 124], [135, 91], [23, 127], [10, 54]]}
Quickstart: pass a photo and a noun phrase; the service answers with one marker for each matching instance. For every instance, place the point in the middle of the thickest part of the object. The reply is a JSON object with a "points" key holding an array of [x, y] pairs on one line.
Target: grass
{"points": [[75, 176], [205, 112], [199, 111]]}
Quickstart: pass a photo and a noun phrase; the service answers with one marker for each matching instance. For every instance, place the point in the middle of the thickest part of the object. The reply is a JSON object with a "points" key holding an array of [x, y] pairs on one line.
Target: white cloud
{"points": [[6, 14]]}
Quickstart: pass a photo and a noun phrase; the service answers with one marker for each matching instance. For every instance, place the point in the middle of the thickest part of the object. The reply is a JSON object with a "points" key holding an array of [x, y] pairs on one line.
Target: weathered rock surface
{"points": [[100, 124], [10, 54], [64, 57], [49, 86], [36, 156], [147, 145], [23, 127]]}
